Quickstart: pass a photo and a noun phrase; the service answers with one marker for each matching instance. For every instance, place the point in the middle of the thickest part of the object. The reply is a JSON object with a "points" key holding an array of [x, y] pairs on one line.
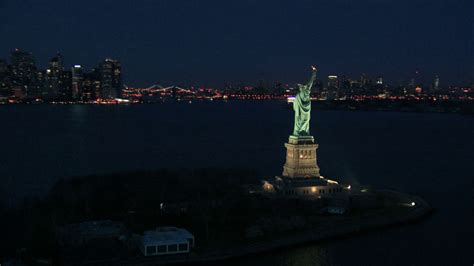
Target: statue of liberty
{"points": [[302, 107]]}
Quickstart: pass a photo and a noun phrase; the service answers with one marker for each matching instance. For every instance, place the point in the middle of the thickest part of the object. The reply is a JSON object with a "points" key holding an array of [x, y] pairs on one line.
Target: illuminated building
{"points": [[91, 85], [363, 80], [65, 91], [110, 79], [343, 83], [56, 64], [54, 79], [41, 80], [414, 82], [333, 82], [3, 67], [379, 80], [23, 73], [333, 87], [77, 82], [436, 83], [4, 79]]}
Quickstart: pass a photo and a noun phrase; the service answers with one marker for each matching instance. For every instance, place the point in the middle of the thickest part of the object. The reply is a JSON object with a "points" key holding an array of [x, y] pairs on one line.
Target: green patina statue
{"points": [[302, 107]]}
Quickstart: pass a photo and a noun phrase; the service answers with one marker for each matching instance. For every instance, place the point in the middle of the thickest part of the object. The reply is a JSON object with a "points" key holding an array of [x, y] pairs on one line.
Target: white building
{"points": [[166, 240]]}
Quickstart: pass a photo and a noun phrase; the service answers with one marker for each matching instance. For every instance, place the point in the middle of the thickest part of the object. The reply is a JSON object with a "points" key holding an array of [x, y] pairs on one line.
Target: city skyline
{"points": [[416, 77], [212, 43], [22, 81]]}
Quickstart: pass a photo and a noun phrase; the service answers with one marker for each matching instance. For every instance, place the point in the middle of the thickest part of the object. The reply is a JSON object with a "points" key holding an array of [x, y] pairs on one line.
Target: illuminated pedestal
{"points": [[301, 178], [301, 158]]}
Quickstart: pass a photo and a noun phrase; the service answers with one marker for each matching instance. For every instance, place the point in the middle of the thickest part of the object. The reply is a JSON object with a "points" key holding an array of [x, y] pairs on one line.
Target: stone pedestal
{"points": [[301, 178], [301, 158]]}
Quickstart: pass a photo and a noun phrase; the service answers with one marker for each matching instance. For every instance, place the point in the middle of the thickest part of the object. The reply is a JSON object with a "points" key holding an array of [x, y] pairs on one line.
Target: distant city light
{"points": [[122, 100]]}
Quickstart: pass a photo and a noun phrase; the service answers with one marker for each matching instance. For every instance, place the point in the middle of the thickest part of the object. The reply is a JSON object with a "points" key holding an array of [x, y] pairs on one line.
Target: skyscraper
{"points": [[91, 85], [77, 82], [415, 80], [436, 83], [23, 73], [379, 80], [110, 79], [41, 80], [56, 63], [54, 81], [342, 83], [363, 80], [333, 87], [333, 82], [65, 90], [3, 67], [4, 78]]}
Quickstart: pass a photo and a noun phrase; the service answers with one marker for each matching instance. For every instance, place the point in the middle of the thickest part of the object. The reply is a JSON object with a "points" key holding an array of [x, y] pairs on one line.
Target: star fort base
{"points": [[301, 178]]}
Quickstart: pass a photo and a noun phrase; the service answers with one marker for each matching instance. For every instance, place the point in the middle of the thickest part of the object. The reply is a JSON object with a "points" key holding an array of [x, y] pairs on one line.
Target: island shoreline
{"points": [[420, 212]]}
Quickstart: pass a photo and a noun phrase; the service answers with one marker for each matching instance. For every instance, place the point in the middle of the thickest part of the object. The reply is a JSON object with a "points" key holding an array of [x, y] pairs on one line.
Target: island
{"points": [[200, 215]]}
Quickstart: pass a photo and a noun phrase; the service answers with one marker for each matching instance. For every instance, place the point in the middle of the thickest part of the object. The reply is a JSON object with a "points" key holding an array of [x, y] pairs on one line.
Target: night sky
{"points": [[207, 42]]}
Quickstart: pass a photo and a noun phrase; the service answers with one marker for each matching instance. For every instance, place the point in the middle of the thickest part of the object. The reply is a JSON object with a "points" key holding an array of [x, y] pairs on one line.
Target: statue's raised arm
{"points": [[312, 79]]}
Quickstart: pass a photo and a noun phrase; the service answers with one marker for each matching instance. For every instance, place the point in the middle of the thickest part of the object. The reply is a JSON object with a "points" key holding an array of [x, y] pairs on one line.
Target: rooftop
{"points": [[103, 227], [166, 235]]}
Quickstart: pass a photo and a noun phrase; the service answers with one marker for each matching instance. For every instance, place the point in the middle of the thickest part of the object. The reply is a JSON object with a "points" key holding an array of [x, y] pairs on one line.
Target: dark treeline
{"points": [[202, 200]]}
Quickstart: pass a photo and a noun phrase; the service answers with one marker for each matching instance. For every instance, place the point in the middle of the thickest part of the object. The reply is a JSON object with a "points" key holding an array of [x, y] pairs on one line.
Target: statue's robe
{"points": [[302, 108]]}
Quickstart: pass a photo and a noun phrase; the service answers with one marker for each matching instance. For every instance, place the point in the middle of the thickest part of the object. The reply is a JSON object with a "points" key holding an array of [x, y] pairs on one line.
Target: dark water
{"points": [[426, 154]]}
